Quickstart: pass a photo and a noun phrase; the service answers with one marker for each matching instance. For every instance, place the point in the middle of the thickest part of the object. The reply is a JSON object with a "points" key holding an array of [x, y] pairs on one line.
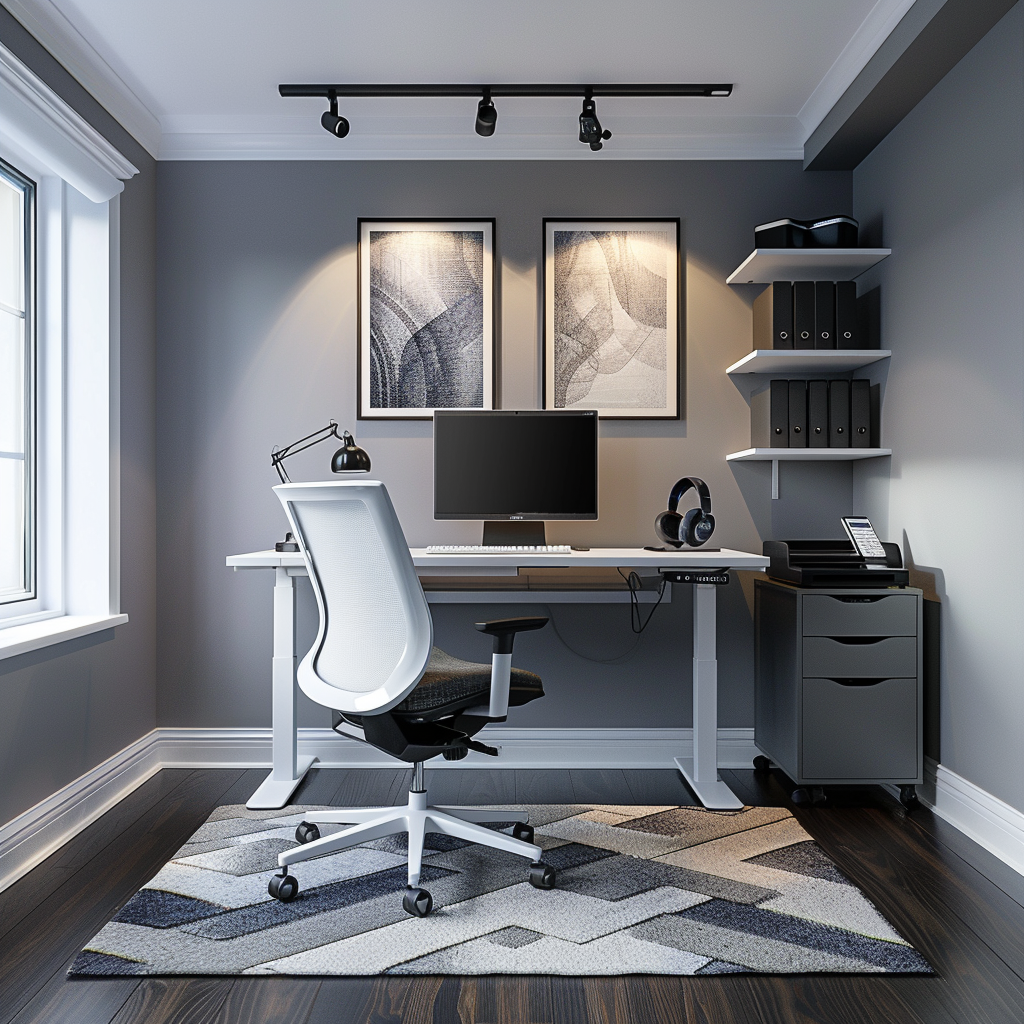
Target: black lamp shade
{"points": [[350, 458]]}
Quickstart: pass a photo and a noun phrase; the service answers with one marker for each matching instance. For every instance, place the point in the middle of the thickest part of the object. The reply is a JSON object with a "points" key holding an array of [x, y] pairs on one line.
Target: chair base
{"points": [[417, 819]]}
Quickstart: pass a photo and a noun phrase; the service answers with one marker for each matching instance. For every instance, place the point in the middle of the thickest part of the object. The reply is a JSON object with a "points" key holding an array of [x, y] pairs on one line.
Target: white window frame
{"points": [[78, 176]]}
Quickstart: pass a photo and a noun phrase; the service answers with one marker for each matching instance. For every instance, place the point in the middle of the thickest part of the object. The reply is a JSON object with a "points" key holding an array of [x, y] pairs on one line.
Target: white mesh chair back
{"points": [[375, 629]]}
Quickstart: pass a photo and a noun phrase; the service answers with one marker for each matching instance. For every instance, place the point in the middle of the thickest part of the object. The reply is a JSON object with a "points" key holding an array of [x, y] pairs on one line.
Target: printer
{"points": [[833, 563]]}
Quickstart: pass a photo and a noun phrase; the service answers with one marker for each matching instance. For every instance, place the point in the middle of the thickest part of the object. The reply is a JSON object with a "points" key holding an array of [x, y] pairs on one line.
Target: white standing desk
{"points": [[700, 771]]}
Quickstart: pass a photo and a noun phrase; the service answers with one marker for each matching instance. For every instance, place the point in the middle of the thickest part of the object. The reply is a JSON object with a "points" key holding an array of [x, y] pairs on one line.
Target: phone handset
{"points": [[863, 537]]}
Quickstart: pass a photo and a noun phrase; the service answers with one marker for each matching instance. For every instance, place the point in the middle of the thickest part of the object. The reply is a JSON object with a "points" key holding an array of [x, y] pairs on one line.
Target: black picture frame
{"points": [[434, 311], [602, 323]]}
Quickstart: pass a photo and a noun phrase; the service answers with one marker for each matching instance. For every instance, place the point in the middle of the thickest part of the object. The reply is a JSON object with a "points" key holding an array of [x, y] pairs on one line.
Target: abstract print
{"points": [[426, 319], [612, 319]]}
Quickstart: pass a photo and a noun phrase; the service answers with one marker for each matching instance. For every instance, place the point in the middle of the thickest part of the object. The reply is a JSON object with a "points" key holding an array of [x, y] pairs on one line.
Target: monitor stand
{"points": [[515, 534]]}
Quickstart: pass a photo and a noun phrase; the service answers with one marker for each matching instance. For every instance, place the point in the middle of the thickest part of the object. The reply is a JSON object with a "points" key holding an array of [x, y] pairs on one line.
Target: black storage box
{"points": [[839, 232], [834, 233], [782, 234]]}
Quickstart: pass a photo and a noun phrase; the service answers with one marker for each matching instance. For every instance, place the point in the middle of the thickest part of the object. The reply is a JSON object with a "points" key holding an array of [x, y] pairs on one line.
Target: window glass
{"points": [[16, 548]]}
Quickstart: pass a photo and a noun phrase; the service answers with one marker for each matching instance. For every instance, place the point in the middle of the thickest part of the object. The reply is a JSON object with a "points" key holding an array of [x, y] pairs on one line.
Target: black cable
{"points": [[586, 657], [637, 623]]}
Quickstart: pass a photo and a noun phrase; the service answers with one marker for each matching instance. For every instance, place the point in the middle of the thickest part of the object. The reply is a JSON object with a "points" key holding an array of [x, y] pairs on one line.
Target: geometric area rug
{"points": [[640, 890]]}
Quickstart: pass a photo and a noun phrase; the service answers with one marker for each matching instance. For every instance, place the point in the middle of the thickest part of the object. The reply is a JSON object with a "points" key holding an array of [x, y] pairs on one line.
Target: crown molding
{"points": [[34, 117], [71, 49], [873, 31]]}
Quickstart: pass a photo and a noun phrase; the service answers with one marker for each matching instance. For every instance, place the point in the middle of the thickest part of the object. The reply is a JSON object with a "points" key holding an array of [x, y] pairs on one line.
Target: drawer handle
{"points": [[858, 682], [860, 600], [858, 640]]}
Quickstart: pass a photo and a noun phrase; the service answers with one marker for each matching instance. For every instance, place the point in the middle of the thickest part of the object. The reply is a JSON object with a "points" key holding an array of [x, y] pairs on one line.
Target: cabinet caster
{"points": [[520, 830], [417, 902], [306, 833], [908, 797], [761, 763], [813, 795], [542, 876], [284, 888]]}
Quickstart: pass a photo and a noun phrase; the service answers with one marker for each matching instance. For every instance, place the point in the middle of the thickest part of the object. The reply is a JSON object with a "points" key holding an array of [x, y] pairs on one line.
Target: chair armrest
{"points": [[504, 633], [504, 630]]}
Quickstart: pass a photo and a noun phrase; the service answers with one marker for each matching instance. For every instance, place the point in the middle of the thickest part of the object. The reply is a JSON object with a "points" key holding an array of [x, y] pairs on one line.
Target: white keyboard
{"points": [[499, 549]]}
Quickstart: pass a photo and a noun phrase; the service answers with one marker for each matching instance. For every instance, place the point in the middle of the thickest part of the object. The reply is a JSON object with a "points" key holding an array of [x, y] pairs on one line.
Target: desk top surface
{"points": [[696, 558]]}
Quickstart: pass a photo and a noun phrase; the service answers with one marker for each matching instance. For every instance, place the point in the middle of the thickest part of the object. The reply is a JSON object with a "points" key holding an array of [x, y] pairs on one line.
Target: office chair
{"points": [[374, 664]]}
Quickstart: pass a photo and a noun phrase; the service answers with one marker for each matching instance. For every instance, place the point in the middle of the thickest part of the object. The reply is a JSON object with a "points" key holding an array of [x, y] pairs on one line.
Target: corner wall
{"points": [[945, 190], [69, 707]]}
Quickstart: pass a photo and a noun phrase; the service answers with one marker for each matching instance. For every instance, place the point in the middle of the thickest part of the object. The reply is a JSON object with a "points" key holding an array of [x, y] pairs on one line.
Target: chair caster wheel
{"points": [[520, 830], [761, 763], [542, 876], [908, 797], [417, 902], [306, 833], [284, 888]]}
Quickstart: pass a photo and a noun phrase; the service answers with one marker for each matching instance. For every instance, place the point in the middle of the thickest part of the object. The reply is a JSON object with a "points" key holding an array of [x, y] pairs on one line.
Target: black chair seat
{"points": [[450, 684]]}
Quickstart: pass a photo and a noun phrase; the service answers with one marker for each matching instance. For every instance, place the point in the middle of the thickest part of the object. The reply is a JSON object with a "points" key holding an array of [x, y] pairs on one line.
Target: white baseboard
{"points": [[40, 831], [30, 838], [37, 833], [986, 819]]}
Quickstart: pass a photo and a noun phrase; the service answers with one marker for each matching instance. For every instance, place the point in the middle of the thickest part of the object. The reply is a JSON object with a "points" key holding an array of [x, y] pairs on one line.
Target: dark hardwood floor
{"points": [[961, 907]]}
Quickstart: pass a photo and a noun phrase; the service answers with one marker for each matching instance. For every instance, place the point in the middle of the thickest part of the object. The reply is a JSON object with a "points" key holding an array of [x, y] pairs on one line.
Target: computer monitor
{"points": [[515, 469]]}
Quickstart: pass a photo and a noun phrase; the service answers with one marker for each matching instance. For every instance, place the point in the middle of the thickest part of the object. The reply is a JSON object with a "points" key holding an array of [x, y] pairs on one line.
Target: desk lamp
{"points": [[350, 458]]}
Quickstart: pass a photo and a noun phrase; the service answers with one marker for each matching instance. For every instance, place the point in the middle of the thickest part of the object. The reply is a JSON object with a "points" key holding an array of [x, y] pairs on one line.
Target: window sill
{"points": [[32, 636]]}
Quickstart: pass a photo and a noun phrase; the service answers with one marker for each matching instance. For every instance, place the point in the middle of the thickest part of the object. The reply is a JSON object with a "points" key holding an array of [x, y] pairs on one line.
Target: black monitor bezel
{"points": [[535, 517]]}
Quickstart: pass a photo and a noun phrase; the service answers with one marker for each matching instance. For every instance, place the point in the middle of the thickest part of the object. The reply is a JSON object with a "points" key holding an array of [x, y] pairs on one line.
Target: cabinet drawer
{"points": [[860, 732], [892, 656], [891, 615]]}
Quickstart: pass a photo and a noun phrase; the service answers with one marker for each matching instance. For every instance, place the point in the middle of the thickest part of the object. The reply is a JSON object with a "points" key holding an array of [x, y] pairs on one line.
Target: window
{"points": [[59, 359], [17, 388]]}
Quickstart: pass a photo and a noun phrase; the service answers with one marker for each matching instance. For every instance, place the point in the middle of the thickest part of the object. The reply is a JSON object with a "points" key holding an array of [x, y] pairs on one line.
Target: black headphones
{"points": [[694, 527]]}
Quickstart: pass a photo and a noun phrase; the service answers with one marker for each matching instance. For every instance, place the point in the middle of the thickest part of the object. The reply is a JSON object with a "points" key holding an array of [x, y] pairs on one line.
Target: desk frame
{"points": [[700, 771]]}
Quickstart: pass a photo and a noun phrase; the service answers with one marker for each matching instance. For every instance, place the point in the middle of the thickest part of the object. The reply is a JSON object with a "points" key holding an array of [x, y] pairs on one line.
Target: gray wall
{"points": [[257, 314], [68, 708], [946, 191]]}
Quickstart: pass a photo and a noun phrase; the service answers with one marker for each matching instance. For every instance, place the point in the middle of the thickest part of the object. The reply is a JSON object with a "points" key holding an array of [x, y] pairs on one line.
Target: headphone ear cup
{"points": [[699, 526], [667, 526], [687, 526]]}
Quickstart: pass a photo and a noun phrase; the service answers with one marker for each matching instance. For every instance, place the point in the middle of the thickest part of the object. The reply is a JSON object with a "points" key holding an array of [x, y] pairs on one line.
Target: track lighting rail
{"points": [[506, 90], [591, 132]]}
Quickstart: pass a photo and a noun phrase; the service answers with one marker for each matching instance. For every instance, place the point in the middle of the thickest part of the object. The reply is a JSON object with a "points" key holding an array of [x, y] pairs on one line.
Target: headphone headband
{"points": [[682, 486]]}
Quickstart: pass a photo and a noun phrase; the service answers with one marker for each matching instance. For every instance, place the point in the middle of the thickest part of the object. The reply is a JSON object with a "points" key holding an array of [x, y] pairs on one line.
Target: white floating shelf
{"points": [[763, 266], [806, 454], [807, 360], [777, 455]]}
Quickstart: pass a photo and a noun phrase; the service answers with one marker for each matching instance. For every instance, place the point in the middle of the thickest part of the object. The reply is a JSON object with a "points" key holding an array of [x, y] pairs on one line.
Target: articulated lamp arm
{"points": [[349, 458]]}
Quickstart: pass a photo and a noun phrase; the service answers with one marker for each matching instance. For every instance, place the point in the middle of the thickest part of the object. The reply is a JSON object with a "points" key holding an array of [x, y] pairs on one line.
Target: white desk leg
{"points": [[288, 768], [701, 770]]}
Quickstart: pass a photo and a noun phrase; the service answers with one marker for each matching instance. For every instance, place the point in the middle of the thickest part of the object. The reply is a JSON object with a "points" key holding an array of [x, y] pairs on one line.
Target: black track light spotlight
{"points": [[332, 120], [486, 115], [590, 127]]}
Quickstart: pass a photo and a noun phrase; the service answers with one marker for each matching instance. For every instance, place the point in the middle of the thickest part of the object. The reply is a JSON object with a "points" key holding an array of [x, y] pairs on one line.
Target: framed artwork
{"points": [[426, 317], [611, 317]]}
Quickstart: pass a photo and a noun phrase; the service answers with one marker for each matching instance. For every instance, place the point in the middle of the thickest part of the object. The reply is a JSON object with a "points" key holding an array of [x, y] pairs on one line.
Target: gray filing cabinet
{"points": [[838, 684]]}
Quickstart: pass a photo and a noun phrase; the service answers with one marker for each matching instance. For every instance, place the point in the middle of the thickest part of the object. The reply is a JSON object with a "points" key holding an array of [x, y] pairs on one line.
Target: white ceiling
{"points": [[195, 79]]}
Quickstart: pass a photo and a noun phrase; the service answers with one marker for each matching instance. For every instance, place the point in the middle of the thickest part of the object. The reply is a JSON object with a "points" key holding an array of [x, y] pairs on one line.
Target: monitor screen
{"points": [[515, 465]]}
